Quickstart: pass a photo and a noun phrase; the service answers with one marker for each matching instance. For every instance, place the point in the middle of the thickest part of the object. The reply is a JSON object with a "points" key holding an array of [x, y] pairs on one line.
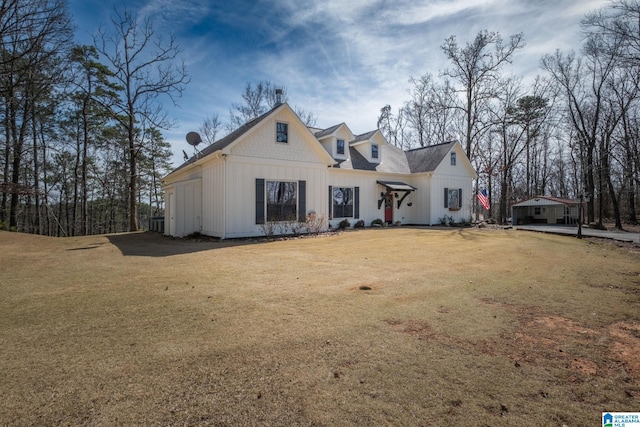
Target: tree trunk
{"points": [[590, 186], [76, 170], [133, 211], [615, 203], [85, 144], [36, 181]]}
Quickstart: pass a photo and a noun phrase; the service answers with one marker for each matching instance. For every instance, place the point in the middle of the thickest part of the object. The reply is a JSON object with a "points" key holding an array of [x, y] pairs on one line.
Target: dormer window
{"points": [[340, 146], [374, 151], [453, 159], [282, 132]]}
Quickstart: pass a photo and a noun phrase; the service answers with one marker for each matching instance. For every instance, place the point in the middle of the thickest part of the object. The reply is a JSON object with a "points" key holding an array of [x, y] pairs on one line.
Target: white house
{"points": [[274, 168]]}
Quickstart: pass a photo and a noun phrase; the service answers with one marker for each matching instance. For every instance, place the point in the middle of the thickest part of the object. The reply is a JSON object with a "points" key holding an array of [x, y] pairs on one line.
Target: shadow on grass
{"points": [[464, 234], [84, 248], [153, 244]]}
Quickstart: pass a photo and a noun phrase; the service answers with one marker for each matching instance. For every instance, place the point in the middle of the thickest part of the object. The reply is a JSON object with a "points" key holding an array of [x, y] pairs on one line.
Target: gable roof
{"points": [[427, 159], [424, 159], [227, 140], [394, 161], [363, 137], [327, 131], [546, 200]]}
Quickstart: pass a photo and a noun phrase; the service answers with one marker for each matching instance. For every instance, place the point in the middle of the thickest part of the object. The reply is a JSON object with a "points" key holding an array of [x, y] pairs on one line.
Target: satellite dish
{"points": [[193, 138]]}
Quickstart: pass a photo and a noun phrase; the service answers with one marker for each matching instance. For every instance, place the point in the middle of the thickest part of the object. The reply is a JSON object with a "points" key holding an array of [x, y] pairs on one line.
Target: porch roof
{"points": [[397, 185], [546, 201]]}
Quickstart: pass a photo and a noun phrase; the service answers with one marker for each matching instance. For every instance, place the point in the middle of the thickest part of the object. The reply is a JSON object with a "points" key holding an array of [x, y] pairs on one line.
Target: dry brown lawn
{"points": [[459, 327]]}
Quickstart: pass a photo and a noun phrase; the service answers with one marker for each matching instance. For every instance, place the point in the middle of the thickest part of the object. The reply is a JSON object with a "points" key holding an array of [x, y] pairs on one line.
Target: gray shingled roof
{"points": [[327, 131], [558, 200], [394, 160], [427, 159], [363, 137]]}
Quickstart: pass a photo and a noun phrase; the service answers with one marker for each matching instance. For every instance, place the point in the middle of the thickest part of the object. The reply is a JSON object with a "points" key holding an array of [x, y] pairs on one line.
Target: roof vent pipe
{"points": [[278, 96]]}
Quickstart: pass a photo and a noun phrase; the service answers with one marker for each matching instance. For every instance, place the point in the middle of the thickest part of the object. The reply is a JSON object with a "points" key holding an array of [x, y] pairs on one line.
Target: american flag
{"points": [[484, 199]]}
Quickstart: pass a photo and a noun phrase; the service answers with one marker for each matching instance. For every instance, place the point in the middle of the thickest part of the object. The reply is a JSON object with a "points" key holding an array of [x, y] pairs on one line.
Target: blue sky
{"points": [[341, 60]]}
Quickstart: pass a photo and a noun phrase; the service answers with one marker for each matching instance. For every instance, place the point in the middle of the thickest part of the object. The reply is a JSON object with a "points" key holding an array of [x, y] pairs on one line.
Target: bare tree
{"points": [[430, 114], [210, 128], [620, 20], [146, 67], [394, 127], [307, 117], [258, 99], [421, 109], [614, 32], [585, 85], [34, 35], [476, 68]]}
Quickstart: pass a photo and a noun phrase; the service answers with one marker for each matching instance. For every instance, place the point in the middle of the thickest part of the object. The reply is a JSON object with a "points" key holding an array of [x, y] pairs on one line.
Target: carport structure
{"points": [[545, 210]]}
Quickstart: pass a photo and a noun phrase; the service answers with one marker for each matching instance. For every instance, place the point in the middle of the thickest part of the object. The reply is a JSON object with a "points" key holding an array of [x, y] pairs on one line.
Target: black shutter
{"points": [[330, 202], [446, 197], [302, 201], [356, 202], [259, 201], [460, 198]]}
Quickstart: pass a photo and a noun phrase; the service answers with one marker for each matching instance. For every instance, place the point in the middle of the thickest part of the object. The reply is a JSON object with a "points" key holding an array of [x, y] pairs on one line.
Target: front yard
{"points": [[398, 326]]}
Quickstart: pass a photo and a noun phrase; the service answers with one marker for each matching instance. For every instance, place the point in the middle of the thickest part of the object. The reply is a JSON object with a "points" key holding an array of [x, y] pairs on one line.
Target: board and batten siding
{"points": [[213, 180], [369, 195], [257, 155], [260, 142], [183, 215], [452, 176], [241, 190], [418, 213], [438, 211]]}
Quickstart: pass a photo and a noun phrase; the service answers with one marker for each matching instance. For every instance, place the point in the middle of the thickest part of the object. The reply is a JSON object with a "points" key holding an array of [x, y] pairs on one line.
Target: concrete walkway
{"points": [[622, 236]]}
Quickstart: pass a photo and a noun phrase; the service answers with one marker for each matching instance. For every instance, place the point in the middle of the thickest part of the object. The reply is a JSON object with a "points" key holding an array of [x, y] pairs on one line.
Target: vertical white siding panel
{"points": [[439, 183], [243, 172], [213, 199]]}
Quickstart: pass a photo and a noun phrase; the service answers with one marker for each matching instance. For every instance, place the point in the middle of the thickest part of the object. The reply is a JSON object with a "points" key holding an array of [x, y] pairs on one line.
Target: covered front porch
{"points": [[545, 210], [398, 189]]}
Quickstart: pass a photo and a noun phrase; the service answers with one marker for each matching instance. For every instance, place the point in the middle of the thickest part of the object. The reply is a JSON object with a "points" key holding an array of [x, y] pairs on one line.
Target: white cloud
{"points": [[343, 61], [169, 13]]}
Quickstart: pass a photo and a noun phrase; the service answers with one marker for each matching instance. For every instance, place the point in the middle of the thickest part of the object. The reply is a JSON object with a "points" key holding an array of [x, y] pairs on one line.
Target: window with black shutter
{"points": [[356, 202], [453, 198], [302, 204], [259, 201]]}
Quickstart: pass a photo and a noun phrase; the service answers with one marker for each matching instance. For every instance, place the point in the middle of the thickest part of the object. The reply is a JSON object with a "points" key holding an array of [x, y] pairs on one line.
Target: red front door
{"points": [[388, 209]]}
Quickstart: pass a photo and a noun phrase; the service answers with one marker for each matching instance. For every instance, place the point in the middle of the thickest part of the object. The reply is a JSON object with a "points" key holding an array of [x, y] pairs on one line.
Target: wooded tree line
{"points": [[80, 126], [571, 132]]}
